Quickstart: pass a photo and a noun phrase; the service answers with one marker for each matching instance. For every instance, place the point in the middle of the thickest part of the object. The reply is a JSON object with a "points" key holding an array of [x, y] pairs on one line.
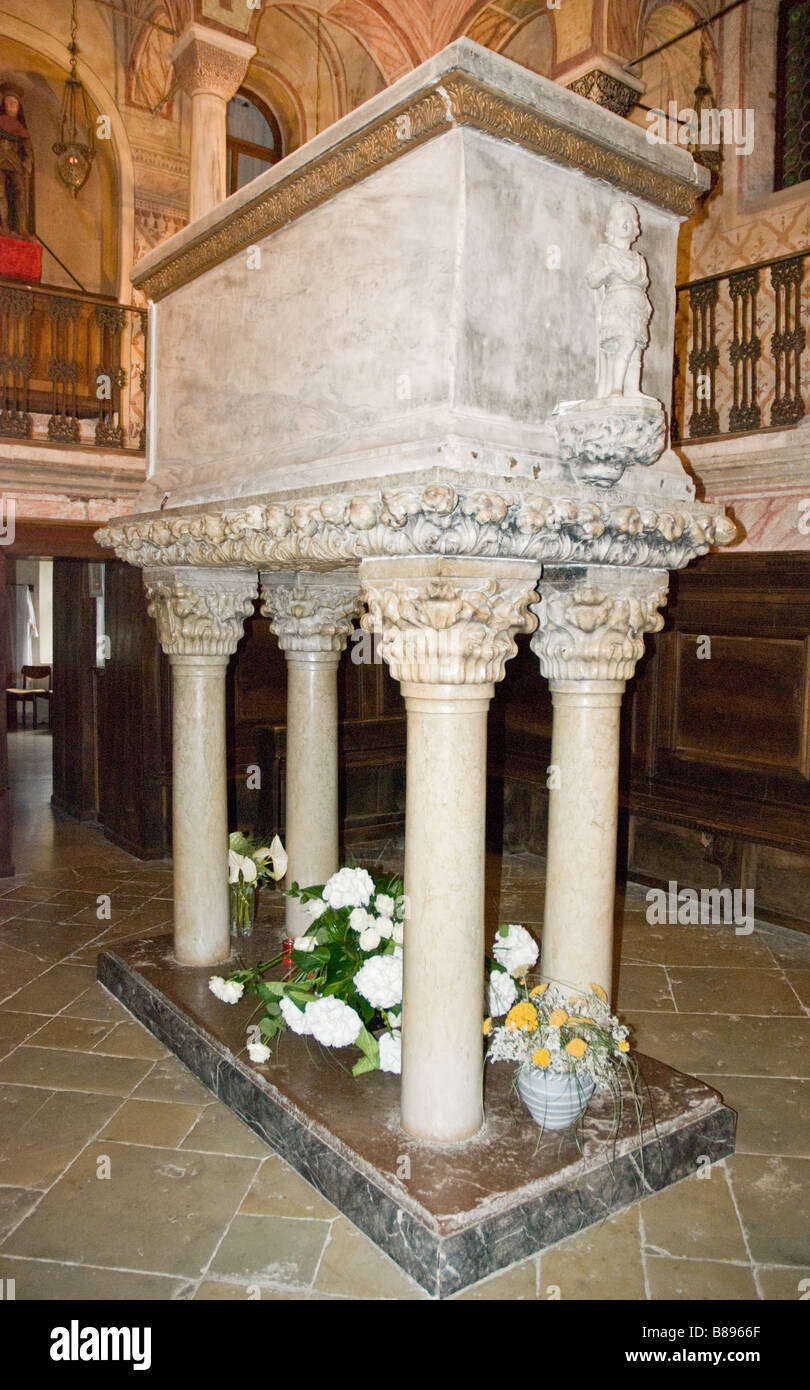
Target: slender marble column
{"points": [[590, 635], [200, 617], [210, 67], [312, 616], [446, 628]]}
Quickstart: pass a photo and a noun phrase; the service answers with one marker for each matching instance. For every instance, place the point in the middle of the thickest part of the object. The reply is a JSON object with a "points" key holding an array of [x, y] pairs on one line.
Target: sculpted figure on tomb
{"points": [[620, 278], [16, 167]]}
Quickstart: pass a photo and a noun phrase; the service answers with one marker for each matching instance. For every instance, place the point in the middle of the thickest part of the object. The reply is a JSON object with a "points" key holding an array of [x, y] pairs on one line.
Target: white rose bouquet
{"points": [[346, 983]]}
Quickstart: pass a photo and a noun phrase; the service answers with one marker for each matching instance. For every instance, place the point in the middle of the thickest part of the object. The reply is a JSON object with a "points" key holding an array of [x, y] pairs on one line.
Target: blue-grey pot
{"points": [[554, 1102]]}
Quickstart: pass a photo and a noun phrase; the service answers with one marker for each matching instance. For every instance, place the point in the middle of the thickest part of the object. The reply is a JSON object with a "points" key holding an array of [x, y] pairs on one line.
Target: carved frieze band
{"points": [[457, 101], [437, 519], [308, 613], [592, 628], [199, 612], [448, 630]]}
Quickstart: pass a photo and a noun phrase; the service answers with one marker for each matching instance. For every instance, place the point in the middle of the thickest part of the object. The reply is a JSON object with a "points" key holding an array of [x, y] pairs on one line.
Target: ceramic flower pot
{"points": [[242, 908], [553, 1101]]}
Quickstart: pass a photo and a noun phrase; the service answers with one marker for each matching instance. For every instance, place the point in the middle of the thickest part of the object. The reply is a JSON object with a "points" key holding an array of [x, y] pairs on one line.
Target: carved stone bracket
{"points": [[199, 612], [607, 90], [206, 60], [447, 622], [311, 612], [325, 533], [591, 621]]}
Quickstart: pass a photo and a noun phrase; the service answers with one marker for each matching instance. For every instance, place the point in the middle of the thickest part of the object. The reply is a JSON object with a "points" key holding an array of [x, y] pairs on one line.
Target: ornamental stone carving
{"points": [[199, 612], [206, 60], [496, 520], [607, 90], [311, 612], [447, 622], [591, 622]]}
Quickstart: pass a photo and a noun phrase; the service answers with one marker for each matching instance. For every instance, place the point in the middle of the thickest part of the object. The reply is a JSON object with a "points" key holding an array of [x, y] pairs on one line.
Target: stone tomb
{"points": [[400, 376]]}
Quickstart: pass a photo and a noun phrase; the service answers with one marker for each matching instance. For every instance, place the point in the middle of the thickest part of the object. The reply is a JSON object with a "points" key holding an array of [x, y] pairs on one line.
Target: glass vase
{"points": [[243, 908]]}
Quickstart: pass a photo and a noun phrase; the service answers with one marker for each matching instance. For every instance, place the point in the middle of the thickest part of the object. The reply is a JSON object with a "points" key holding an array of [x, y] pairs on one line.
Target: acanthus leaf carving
{"points": [[199, 612], [592, 628], [309, 614]]}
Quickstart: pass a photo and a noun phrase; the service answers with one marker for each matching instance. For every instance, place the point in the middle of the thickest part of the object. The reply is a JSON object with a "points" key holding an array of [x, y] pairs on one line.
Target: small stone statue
{"points": [[16, 167], [624, 310]]}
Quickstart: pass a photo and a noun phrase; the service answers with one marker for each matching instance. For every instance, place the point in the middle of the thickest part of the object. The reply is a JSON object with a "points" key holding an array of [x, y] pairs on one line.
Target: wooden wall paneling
{"points": [[6, 863], [74, 689]]}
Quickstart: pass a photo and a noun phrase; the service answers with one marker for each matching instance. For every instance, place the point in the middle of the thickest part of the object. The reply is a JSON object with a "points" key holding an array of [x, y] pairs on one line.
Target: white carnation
{"points": [[391, 1052], [349, 888], [315, 907], [295, 1019], [380, 981], [502, 993], [385, 927], [333, 1023], [359, 919], [517, 950], [258, 1052], [304, 943], [229, 991], [384, 905], [369, 939]]}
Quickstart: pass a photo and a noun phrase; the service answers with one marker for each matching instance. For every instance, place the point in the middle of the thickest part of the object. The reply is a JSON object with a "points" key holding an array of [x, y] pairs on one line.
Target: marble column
{"points": [[312, 615], [446, 628], [200, 617], [210, 67], [590, 634]]}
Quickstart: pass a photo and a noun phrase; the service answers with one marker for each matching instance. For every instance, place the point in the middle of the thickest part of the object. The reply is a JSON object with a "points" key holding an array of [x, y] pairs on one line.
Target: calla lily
{"points": [[278, 855], [241, 863]]}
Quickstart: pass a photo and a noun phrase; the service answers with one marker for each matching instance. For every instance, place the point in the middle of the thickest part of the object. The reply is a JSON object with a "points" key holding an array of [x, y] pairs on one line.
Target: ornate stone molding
{"points": [[457, 101], [311, 612], [206, 60], [447, 622], [600, 439], [591, 622], [326, 533], [606, 90], [199, 612]]}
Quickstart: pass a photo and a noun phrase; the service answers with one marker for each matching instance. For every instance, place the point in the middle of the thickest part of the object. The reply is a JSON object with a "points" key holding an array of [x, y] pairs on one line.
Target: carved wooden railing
{"points": [[739, 344], [72, 368]]}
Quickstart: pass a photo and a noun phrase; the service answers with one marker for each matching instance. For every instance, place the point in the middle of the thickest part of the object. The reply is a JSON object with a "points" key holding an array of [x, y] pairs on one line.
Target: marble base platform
{"points": [[448, 1215]]}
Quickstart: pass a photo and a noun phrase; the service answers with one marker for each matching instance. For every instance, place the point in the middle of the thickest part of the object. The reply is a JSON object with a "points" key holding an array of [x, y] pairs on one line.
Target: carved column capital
{"points": [[207, 60], [311, 612], [199, 612], [443, 621], [592, 620]]}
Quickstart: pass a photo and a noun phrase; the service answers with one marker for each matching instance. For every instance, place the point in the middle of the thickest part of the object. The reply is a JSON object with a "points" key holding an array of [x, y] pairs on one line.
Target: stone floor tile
{"points": [[354, 1266], [43, 912], [41, 1132], [773, 1197], [271, 1250], [15, 1204], [707, 990], [643, 987], [159, 1123], [170, 1080], [160, 1211], [58, 1069], [47, 941], [17, 968], [696, 1219], [772, 1113], [28, 892], [131, 1039], [787, 1284], [718, 1043], [45, 1280], [73, 1034], [717, 946], [800, 981], [515, 1285], [218, 1291], [96, 1003], [53, 990], [277, 1190], [218, 1130], [15, 1028], [789, 948], [601, 1262], [704, 1280]]}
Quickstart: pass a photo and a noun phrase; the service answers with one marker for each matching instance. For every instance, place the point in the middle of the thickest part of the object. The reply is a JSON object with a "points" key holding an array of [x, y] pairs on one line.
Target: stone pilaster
{"points": [[312, 615], [210, 67], [590, 634], [446, 628], [200, 616]]}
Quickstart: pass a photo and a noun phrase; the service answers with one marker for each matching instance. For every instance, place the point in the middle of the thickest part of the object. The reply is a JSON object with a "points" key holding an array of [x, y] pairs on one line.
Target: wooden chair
{"points": [[36, 686]]}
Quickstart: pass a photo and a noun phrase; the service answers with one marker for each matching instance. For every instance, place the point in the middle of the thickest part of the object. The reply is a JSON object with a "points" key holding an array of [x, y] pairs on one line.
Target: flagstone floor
{"points": [[121, 1176]]}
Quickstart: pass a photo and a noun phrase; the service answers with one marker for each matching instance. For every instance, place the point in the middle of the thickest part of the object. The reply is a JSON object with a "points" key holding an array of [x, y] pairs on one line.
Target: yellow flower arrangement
{"points": [[558, 1018], [581, 1018], [541, 1057], [538, 989], [599, 992], [624, 1045], [487, 1026], [577, 1047], [523, 1015]]}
